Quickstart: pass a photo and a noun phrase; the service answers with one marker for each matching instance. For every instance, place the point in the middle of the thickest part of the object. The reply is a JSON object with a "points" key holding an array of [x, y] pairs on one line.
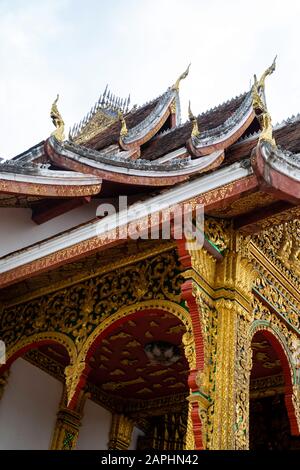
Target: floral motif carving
{"points": [[76, 310]]}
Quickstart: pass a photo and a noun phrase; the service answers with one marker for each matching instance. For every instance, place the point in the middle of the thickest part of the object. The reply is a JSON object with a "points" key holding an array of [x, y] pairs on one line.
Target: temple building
{"points": [[115, 335]]}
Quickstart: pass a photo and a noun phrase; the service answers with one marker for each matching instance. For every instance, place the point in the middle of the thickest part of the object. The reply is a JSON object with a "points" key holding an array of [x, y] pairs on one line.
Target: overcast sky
{"points": [[75, 47]]}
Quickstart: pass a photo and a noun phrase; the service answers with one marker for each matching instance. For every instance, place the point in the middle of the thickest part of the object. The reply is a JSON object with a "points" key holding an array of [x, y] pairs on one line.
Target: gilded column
{"points": [[67, 424], [120, 432], [225, 363], [233, 287]]}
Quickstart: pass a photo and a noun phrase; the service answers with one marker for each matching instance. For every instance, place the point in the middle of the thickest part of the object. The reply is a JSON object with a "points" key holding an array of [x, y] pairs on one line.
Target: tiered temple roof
{"points": [[228, 158]]}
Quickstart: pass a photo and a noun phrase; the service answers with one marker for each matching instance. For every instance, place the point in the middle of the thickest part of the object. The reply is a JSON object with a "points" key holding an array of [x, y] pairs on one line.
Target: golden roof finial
{"points": [[261, 83], [193, 119], [260, 107], [259, 88], [266, 129], [124, 130], [57, 121], [182, 76]]}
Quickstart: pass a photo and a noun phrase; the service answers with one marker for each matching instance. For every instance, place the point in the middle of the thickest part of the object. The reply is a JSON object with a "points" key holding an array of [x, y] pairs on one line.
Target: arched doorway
{"points": [[270, 382], [139, 365], [32, 393]]}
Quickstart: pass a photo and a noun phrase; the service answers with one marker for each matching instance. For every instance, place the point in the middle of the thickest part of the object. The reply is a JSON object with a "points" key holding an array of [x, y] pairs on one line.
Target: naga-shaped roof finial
{"points": [[124, 130], [260, 107], [182, 76], [268, 71], [193, 119], [259, 88], [57, 121]]}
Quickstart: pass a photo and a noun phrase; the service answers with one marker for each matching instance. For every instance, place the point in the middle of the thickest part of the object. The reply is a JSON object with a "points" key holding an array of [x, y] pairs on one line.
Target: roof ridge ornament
{"points": [[175, 87], [261, 82], [124, 130], [194, 120], [57, 121], [260, 106]]}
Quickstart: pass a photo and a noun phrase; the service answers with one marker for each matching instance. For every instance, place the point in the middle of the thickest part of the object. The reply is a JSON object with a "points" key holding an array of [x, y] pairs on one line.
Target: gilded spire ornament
{"points": [[269, 71], [260, 107], [182, 76], [57, 121], [266, 129], [124, 130], [193, 119], [258, 89]]}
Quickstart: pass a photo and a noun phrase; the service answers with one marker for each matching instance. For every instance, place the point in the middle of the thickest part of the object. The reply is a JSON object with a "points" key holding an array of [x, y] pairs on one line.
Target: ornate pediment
{"points": [[281, 244]]}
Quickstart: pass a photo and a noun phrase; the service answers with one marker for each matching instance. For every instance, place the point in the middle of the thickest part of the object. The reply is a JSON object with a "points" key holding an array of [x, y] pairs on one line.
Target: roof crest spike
{"points": [[128, 103], [105, 91], [181, 77]]}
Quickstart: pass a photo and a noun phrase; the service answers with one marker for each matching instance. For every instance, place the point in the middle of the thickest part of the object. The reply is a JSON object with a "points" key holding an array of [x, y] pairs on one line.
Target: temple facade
{"points": [[120, 327]]}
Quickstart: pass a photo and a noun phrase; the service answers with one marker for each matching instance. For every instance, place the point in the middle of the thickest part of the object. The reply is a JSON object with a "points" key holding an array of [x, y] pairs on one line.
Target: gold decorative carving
{"points": [[287, 310], [281, 244], [120, 335], [144, 390], [21, 340], [119, 385], [233, 283], [175, 87], [124, 130], [68, 275], [194, 121], [73, 374], [100, 121], [57, 121], [189, 348], [260, 108], [120, 432], [218, 232], [175, 329], [173, 107], [67, 424], [259, 86], [46, 363], [189, 438], [117, 372], [149, 335], [76, 310]]}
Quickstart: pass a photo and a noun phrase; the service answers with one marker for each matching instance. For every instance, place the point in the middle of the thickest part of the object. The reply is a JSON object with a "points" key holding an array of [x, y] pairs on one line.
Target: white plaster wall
{"points": [[95, 427], [17, 230], [135, 435], [28, 408]]}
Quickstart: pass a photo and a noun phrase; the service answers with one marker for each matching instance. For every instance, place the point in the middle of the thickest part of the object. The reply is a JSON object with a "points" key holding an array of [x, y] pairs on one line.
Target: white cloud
{"points": [[75, 48]]}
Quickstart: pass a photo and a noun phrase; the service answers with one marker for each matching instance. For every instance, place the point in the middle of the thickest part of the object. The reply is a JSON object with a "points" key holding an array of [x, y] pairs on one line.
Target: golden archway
{"points": [[77, 372]]}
